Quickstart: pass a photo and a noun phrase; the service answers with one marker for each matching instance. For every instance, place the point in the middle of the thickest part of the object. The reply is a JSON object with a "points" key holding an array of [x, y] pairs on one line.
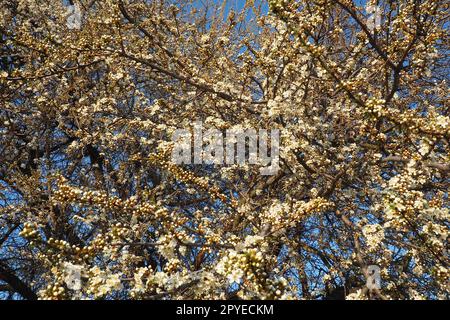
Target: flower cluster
{"points": [[250, 265]]}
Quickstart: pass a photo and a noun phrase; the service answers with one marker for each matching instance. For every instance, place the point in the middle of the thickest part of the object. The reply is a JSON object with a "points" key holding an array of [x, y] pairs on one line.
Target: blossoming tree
{"points": [[87, 184]]}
